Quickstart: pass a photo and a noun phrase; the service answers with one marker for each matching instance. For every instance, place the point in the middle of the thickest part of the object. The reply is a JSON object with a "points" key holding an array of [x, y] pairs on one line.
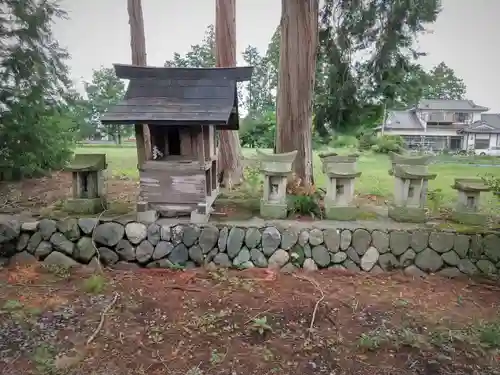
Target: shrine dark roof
{"points": [[178, 96]]}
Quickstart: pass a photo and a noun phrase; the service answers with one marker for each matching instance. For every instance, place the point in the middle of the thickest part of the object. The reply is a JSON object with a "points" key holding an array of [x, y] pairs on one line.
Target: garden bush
{"points": [[258, 132], [366, 141], [388, 143], [344, 141]]}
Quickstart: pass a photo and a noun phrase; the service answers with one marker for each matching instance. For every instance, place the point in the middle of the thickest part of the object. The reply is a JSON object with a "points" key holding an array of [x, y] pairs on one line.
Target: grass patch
{"points": [[95, 284]]}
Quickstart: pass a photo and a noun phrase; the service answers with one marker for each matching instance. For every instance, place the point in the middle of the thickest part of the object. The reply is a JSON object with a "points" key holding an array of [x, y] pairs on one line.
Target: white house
{"points": [[441, 124]]}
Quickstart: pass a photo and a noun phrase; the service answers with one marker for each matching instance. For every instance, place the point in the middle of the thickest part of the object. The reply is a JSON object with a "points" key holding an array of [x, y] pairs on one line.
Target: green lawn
{"points": [[122, 161]]}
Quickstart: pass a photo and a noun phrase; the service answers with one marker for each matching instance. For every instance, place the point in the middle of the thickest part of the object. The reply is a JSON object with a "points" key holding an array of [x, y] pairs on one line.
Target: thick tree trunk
{"points": [[299, 38], [230, 157], [138, 48]]}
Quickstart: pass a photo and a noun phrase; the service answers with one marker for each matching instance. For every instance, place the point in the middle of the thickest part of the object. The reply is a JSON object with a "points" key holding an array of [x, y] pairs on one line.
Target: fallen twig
{"points": [[316, 285], [101, 322], [184, 289]]}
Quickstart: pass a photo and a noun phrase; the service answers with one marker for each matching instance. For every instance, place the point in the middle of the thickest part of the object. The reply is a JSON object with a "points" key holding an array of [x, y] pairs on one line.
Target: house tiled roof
{"points": [[450, 105], [489, 123], [403, 120]]}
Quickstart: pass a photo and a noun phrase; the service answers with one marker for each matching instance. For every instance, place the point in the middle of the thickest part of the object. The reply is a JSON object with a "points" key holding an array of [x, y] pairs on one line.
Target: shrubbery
{"points": [[344, 141], [388, 143], [258, 132], [366, 141]]}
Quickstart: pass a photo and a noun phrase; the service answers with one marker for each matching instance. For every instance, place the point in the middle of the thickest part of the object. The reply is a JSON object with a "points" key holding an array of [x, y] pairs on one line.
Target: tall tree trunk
{"points": [[230, 157], [138, 48], [299, 39]]}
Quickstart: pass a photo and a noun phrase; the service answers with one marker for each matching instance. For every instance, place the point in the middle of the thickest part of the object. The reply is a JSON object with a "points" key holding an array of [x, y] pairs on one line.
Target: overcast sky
{"points": [[466, 36]]}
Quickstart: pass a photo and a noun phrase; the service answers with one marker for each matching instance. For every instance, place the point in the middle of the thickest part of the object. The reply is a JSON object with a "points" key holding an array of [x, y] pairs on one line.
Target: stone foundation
{"points": [[284, 245]]}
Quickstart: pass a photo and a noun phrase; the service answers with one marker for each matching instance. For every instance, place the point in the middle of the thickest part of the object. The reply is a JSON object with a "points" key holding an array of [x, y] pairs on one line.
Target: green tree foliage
{"points": [[36, 128], [258, 98], [104, 91], [258, 132], [442, 83], [350, 89], [201, 55], [365, 62]]}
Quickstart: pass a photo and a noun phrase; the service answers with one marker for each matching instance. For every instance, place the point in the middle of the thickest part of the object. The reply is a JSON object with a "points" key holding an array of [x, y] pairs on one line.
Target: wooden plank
{"points": [[186, 144], [159, 100], [136, 108], [183, 93], [134, 72], [195, 122], [166, 187], [139, 140], [146, 117], [183, 82]]}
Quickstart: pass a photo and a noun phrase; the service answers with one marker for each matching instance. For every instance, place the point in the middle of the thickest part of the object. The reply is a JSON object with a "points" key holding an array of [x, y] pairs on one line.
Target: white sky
{"points": [[466, 36]]}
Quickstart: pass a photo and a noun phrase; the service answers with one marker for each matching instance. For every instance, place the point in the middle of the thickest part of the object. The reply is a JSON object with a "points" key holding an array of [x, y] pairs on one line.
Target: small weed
{"points": [[268, 355], [34, 311], [304, 200], [260, 325], [435, 198], [489, 335], [215, 357], [252, 183], [395, 338], [44, 360], [492, 182], [155, 336], [12, 305], [400, 302], [95, 284], [175, 266], [371, 340], [61, 272]]}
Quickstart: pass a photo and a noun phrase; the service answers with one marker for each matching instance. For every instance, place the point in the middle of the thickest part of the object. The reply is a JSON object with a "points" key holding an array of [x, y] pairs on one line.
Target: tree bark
{"points": [[138, 48], [230, 156], [299, 40]]}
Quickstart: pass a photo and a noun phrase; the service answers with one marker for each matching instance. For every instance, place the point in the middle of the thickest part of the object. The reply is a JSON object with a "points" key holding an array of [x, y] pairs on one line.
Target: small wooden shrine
{"points": [[182, 107]]}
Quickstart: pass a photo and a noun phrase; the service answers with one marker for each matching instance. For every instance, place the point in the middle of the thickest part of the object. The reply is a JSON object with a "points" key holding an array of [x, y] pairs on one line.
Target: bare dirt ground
{"points": [[244, 322], [32, 196]]}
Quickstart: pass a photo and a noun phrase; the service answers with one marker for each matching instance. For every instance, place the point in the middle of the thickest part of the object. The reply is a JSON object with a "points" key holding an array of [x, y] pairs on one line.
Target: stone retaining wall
{"points": [[132, 244]]}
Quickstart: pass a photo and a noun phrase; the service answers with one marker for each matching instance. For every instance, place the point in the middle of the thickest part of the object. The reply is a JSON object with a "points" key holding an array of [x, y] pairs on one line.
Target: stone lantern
{"points": [[411, 177], [467, 207], [341, 173], [88, 184], [276, 168]]}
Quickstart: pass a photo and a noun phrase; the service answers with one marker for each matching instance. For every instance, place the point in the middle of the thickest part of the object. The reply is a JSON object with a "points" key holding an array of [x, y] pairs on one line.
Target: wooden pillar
{"points": [[138, 48]]}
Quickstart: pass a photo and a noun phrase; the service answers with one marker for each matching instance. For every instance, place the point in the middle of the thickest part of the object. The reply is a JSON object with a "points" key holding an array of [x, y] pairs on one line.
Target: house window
{"points": [[498, 140], [482, 141], [461, 117]]}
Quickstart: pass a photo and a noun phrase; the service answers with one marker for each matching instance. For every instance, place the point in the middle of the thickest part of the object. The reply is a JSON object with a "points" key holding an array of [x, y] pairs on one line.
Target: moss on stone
{"points": [[462, 228], [407, 214]]}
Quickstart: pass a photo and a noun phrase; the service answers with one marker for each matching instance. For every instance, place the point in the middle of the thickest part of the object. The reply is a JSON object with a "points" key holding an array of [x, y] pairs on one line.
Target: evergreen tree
{"points": [[36, 128]]}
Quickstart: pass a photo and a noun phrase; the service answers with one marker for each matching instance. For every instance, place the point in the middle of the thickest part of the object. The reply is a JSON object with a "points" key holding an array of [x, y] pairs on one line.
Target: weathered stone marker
{"points": [[410, 190], [88, 184], [341, 173], [276, 168], [467, 208]]}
